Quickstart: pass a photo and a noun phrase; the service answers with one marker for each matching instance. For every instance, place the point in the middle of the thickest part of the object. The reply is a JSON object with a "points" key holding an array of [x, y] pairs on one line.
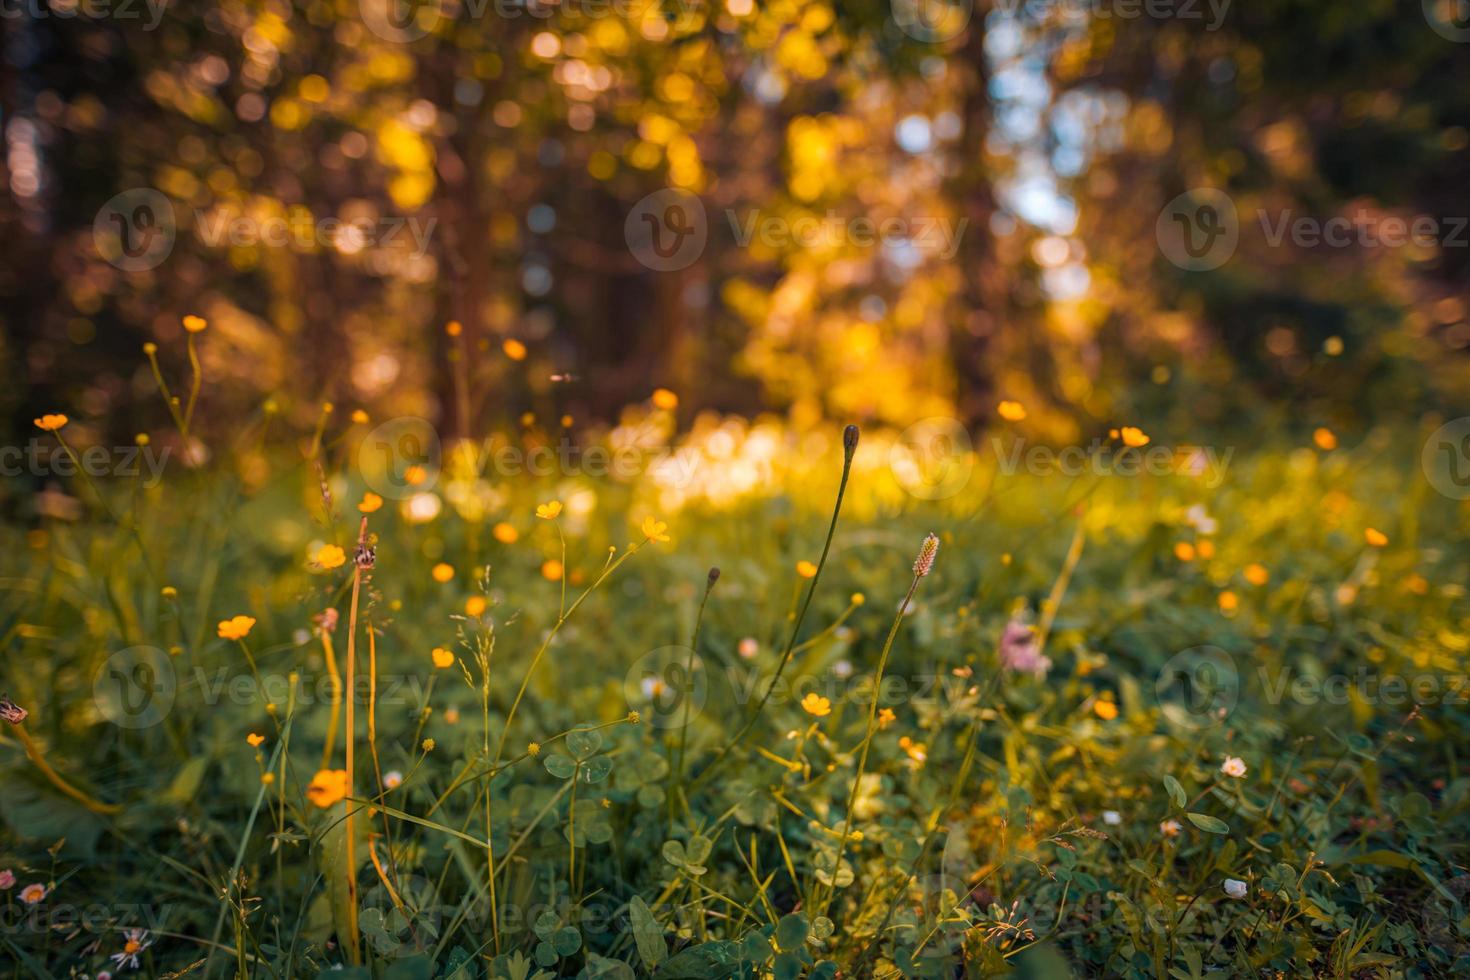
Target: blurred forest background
{"points": [[520, 137]]}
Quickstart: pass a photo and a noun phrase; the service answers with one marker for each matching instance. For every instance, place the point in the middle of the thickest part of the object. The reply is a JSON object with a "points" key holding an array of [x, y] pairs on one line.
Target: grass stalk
{"points": [[849, 444]]}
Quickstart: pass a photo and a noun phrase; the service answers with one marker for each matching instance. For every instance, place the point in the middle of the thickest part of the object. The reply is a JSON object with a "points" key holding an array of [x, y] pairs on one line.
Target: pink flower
{"points": [[7, 880], [1020, 650]]}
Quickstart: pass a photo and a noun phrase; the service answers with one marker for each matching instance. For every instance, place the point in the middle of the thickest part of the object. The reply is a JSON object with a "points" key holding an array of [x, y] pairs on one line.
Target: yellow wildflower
{"points": [[330, 556], [236, 627], [327, 787]]}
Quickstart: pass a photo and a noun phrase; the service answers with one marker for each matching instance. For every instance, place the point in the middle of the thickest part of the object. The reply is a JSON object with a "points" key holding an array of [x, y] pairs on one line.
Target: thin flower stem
{"points": [[786, 654], [1059, 587], [867, 739], [168, 399], [676, 775], [194, 385], [33, 751], [546, 643], [335, 677], [354, 950]]}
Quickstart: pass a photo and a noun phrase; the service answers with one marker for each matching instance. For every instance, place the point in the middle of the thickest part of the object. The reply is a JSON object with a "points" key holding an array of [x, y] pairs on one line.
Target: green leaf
{"points": [[413, 968], [647, 933], [566, 941], [584, 742], [1176, 791], [698, 848], [791, 931], [709, 961], [596, 770], [560, 766], [1207, 823]]}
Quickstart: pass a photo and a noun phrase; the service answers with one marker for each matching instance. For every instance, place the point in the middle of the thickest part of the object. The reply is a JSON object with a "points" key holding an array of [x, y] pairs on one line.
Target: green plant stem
{"points": [[728, 747], [676, 774], [867, 741]]}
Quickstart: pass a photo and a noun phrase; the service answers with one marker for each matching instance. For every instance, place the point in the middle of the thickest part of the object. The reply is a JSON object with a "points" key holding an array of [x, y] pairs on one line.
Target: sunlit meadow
{"points": [[757, 700], [714, 489]]}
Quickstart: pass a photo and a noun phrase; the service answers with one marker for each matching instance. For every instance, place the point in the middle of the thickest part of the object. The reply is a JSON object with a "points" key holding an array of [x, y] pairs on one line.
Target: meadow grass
{"points": [[1127, 725]]}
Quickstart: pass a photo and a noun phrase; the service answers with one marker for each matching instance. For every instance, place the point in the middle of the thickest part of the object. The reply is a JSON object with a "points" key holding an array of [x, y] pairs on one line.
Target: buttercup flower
{"points": [[255, 740], [654, 529], [1324, 439], [442, 658], [370, 502], [665, 400], [51, 423], [885, 717], [1133, 437], [806, 569], [1256, 574], [551, 570], [504, 533], [236, 627], [1233, 766], [815, 704], [1375, 537], [514, 349], [917, 751], [475, 605], [1236, 888], [330, 556], [549, 510], [443, 572], [1011, 411], [327, 787], [1106, 710], [195, 324]]}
